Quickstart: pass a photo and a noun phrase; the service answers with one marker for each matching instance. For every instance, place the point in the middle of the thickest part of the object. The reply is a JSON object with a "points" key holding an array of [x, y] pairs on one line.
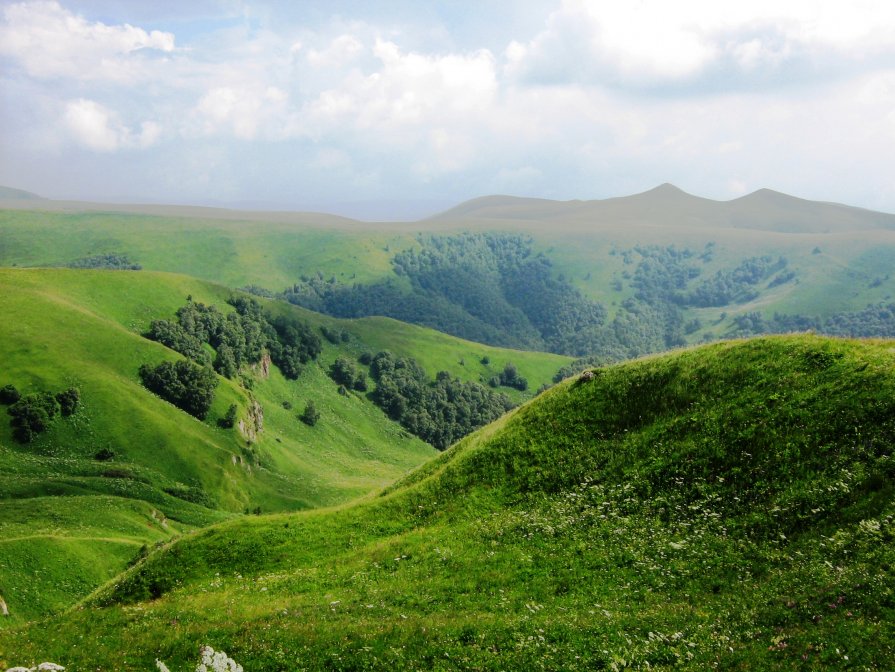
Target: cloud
{"points": [[99, 129], [340, 51], [245, 113], [50, 41], [658, 44]]}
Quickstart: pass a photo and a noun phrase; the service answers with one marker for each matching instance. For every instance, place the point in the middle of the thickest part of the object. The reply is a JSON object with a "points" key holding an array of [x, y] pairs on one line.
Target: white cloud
{"points": [[340, 51], [99, 129], [653, 43], [246, 113], [52, 42]]}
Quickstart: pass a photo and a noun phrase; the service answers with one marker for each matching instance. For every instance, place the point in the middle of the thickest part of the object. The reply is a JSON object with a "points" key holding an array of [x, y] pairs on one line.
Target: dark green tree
{"points": [[186, 385], [9, 395], [33, 414], [69, 401], [311, 415]]}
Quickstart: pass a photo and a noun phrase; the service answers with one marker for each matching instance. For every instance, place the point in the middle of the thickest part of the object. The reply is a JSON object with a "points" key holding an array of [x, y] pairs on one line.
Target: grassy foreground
{"points": [[726, 507]]}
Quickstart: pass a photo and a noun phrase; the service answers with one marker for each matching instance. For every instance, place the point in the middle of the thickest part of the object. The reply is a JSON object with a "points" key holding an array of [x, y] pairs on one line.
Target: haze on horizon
{"points": [[401, 109]]}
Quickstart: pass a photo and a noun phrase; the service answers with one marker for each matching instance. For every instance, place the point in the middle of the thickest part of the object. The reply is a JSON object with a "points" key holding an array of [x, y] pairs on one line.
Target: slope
{"points": [[729, 506], [70, 517], [838, 259]]}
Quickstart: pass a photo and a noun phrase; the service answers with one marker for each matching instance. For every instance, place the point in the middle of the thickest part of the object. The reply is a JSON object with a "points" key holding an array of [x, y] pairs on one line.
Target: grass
{"points": [[275, 254], [727, 507], [82, 328]]}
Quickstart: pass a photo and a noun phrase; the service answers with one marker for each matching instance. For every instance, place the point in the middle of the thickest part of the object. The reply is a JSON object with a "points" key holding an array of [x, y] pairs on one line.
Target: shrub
{"points": [[311, 415], [184, 384], [69, 401], [229, 419], [9, 395], [104, 455], [33, 414]]}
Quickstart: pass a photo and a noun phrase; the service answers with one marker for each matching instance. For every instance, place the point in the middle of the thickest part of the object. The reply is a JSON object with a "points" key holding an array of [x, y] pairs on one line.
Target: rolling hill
{"points": [[837, 260], [728, 506], [129, 469], [669, 207]]}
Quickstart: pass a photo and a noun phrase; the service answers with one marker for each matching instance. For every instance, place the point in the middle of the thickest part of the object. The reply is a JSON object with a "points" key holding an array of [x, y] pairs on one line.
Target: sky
{"points": [[400, 108]]}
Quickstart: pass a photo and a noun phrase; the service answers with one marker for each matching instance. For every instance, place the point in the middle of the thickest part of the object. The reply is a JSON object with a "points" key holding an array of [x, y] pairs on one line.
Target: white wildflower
{"points": [[217, 661]]}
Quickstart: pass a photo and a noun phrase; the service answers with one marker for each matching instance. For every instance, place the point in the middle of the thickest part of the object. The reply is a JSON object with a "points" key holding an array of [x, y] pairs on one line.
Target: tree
{"points": [[33, 414], [9, 395], [69, 400], [311, 415], [229, 419], [186, 385]]}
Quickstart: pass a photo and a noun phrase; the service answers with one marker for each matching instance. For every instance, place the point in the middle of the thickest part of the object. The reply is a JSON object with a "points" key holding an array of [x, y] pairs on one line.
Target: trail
{"points": [[64, 537]]}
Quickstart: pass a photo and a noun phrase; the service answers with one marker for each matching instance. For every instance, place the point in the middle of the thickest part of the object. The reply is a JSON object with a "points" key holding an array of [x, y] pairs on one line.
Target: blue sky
{"points": [[398, 109]]}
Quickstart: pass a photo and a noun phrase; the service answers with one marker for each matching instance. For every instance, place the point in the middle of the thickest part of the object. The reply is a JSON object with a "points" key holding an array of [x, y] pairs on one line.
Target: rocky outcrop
{"points": [[4, 610], [253, 424], [262, 368]]}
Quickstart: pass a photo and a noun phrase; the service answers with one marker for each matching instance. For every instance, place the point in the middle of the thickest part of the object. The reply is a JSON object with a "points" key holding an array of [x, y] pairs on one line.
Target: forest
{"points": [[496, 288]]}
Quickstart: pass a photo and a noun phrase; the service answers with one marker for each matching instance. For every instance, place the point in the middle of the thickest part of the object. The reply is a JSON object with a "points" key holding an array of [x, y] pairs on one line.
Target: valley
{"points": [[455, 443]]}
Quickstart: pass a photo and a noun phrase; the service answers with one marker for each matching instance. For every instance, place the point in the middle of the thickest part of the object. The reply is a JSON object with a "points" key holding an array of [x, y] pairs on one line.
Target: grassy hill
{"points": [[726, 507], [69, 521], [838, 258]]}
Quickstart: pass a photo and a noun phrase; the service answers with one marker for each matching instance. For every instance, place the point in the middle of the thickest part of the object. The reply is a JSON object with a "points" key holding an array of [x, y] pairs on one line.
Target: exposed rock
{"points": [[4, 610], [262, 368], [587, 376], [253, 424]]}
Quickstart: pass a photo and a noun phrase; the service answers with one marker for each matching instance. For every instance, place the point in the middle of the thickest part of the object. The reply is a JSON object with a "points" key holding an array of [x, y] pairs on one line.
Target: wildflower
{"points": [[217, 661]]}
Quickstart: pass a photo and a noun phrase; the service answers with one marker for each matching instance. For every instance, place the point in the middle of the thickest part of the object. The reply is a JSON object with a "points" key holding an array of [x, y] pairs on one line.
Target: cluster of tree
{"points": [[491, 288], [33, 413], [495, 288], [113, 262], [346, 373], [662, 272], [237, 338], [509, 377], [188, 386], [737, 285], [874, 321], [294, 346], [439, 412], [335, 336]]}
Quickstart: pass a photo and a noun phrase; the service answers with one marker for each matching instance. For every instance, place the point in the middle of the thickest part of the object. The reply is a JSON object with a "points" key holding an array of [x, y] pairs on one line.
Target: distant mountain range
{"points": [[668, 206], [665, 206]]}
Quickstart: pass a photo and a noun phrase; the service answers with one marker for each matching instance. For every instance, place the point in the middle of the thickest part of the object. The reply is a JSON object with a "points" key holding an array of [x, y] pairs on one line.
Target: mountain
{"points": [[11, 194], [669, 206], [725, 506], [652, 271], [129, 469]]}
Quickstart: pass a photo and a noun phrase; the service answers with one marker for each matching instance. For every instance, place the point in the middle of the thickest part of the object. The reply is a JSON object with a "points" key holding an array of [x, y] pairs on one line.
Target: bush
{"points": [[311, 415], [9, 395], [104, 455], [184, 384], [229, 419], [33, 414], [69, 401]]}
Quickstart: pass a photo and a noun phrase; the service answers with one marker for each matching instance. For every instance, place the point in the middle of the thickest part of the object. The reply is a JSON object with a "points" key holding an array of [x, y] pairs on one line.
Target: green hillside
{"points": [[71, 517], [728, 507], [621, 277]]}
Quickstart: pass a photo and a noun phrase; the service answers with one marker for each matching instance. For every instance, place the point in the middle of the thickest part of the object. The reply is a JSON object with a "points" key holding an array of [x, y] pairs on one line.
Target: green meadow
{"points": [[728, 506], [69, 521]]}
